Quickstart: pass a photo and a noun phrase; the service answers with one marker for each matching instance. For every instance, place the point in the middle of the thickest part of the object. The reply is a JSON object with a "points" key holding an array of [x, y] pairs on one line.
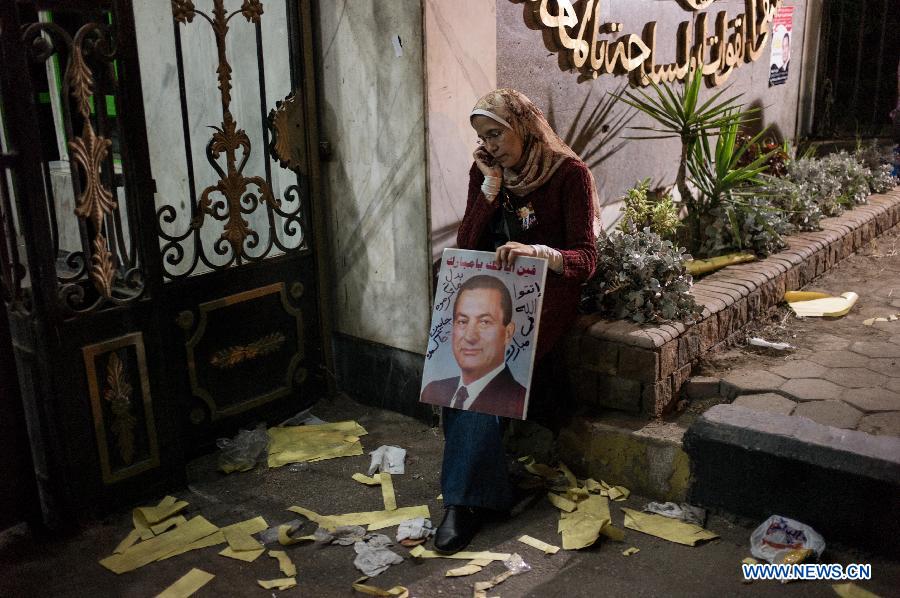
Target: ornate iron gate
{"points": [[156, 299], [857, 72]]}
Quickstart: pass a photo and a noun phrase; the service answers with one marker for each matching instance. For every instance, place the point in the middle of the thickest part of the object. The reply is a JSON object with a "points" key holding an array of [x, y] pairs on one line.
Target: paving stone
{"points": [[828, 342], [701, 387], [830, 413], [893, 384], [854, 377], [872, 399], [888, 366], [876, 349], [749, 381], [768, 401], [839, 359], [799, 368], [896, 338], [881, 424], [811, 389]]}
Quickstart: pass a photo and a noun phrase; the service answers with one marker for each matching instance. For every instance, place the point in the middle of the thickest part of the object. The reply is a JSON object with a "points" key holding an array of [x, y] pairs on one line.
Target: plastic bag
{"points": [[779, 536], [242, 452]]}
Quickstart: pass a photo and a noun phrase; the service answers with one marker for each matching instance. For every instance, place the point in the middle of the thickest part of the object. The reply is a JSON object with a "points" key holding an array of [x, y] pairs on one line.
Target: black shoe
{"points": [[459, 526]]}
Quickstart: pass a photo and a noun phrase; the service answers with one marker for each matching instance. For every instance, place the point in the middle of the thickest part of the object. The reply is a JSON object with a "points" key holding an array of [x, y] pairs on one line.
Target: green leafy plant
{"points": [[642, 277], [679, 113], [644, 208], [732, 215]]}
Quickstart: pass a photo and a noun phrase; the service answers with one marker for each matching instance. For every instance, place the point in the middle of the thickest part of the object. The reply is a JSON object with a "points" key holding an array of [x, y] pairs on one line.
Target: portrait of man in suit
{"points": [[482, 330]]}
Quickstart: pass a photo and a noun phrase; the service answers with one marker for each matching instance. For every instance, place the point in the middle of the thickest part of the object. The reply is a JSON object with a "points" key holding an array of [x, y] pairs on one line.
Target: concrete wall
{"points": [[460, 59], [371, 104]]}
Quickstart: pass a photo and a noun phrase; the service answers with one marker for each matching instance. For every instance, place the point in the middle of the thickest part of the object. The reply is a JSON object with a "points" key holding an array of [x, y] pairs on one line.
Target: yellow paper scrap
{"points": [[630, 551], [295, 444], [158, 546], [248, 556], [581, 528], [285, 563], [189, 583], [144, 517], [285, 539], [851, 590], [619, 493], [387, 492], [375, 480], [394, 592], [750, 561], [613, 533], [561, 502], [666, 528], [481, 587], [889, 318], [211, 540], [796, 296], [592, 486], [167, 524], [239, 540], [577, 494], [467, 569], [440, 497], [421, 553], [285, 583], [374, 519], [824, 307], [539, 544], [128, 541]]}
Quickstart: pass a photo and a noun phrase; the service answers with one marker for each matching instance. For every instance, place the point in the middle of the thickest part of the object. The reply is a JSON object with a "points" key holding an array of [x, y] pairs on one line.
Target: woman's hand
{"points": [[483, 160], [507, 254]]}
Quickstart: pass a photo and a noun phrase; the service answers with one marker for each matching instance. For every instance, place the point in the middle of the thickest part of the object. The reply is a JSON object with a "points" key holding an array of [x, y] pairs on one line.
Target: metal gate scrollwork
{"points": [[238, 242], [106, 260]]}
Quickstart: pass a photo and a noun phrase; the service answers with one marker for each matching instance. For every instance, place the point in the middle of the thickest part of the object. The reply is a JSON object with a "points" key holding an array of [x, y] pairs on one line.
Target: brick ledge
{"points": [[622, 365]]}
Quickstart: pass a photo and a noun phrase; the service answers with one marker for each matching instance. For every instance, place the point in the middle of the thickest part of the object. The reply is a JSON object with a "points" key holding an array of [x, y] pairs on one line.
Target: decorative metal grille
{"points": [[236, 194], [105, 271]]}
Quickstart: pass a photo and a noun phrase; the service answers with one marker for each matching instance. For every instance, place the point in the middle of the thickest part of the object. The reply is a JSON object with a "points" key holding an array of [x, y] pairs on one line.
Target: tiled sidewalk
{"points": [[843, 373]]}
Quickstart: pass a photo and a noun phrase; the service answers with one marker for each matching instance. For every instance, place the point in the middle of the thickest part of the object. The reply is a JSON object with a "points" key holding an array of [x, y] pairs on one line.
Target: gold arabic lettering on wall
{"points": [[717, 49]]}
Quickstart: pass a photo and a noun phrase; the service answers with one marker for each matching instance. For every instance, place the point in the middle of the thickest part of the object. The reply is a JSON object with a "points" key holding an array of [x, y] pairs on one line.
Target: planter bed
{"points": [[637, 368]]}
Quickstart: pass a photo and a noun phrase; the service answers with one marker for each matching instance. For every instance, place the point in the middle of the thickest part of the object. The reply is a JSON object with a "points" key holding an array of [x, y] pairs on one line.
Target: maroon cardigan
{"points": [[564, 215]]}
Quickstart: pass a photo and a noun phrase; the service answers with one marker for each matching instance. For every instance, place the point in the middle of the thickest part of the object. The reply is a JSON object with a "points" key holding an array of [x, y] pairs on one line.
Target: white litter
{"points": [[389, 459]]}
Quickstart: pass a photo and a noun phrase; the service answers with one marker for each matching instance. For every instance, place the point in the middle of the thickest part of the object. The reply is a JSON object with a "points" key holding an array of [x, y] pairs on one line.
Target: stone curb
{"points": [[843, 483], [641, 368]]}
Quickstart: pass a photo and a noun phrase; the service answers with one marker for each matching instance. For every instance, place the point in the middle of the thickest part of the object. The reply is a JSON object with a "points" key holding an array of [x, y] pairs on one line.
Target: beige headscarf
{"points": [[544, 150]]}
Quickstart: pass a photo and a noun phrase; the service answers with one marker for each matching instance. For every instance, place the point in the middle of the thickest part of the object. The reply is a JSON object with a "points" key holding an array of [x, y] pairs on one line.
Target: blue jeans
{"points": [[474, 472]]}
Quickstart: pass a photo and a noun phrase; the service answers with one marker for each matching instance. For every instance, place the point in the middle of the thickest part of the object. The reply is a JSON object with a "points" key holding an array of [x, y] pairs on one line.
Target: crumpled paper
{"points": [[413, 531], [389, 459], [682, 511], [344, 535], [373, 556]]}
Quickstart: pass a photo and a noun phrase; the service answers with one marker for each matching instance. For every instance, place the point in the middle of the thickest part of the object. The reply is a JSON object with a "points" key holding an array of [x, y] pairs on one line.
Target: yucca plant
{"points": [[726, 182], [679, 113]]}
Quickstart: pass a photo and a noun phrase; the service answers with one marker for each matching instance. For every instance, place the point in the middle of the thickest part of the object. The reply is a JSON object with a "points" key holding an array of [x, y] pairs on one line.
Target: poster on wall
{"points": [[780, 57], [483, 336]]}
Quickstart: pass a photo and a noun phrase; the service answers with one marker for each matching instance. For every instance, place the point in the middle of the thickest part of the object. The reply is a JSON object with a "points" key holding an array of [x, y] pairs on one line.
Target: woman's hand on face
{"points": [[482, 158], [507, 254]]}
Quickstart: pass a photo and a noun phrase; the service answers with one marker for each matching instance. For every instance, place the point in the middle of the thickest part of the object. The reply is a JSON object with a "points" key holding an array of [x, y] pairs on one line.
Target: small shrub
{"points": [[649, 209], [751, 225], [797, 203], [642, 277]]}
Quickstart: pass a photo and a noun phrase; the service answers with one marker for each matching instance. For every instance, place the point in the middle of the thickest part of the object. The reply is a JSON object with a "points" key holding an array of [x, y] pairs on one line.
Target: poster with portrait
{"points": [[780, 57], [483, 335]]}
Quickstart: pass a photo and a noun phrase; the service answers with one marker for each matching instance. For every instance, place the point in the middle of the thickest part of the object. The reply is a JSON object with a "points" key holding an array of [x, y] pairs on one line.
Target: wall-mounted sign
{"points": [[718, 49], [780, 57]]}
